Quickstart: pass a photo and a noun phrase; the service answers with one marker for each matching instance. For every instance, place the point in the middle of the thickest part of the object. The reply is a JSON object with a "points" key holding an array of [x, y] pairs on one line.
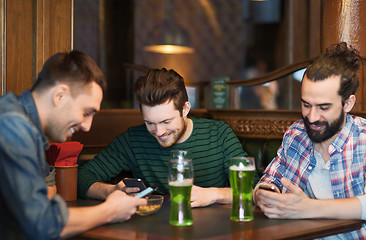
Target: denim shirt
{"points": [[25, 210]]}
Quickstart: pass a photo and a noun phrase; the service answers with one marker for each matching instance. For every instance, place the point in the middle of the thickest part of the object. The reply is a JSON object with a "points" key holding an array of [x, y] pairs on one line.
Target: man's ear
{"points": [[60, 93], [186, 109], [349, 103]]}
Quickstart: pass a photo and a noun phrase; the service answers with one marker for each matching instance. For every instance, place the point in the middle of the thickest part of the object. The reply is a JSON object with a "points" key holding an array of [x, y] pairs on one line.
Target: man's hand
{"points": [[294, 204], [118, 207], [121, 186], [51, 191], [202, 197], [124, 206]]}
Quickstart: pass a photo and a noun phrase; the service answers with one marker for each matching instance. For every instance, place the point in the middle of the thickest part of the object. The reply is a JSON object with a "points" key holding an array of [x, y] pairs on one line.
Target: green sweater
{"points": [[212, 144]]}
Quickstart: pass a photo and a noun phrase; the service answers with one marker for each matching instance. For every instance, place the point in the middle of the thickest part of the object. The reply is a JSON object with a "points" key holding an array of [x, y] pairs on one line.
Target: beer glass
{"points": [[180, 180], [241, 173]]}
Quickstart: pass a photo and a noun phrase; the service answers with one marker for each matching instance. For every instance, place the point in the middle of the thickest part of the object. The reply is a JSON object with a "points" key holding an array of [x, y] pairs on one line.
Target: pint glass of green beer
{"points": [[180, 180], [241, 173]]}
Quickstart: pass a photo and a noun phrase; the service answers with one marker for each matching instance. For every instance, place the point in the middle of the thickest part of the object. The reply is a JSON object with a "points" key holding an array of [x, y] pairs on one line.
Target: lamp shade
{"points": [[169, 38]]}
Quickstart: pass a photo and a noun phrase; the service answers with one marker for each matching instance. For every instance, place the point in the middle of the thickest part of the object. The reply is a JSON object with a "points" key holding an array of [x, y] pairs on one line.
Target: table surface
{"points": [[213, 223]]}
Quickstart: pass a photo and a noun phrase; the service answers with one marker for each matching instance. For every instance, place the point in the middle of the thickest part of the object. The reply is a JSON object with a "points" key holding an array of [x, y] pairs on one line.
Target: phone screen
{"points": [[145, 192]]}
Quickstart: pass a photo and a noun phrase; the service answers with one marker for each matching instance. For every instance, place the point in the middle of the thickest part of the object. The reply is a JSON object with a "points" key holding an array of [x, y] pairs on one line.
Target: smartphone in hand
{"points": [[133, 182], [268, 188], [146, 192]]}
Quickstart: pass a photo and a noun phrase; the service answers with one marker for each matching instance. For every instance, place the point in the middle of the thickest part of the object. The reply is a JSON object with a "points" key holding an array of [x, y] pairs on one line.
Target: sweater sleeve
{"points": [[106, 165], [231, 146]]}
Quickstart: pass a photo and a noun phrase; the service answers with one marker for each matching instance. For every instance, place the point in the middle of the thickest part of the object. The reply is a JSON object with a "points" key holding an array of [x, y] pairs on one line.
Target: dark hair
{"points": [[338, 60], [74, 68], [159, 86]]}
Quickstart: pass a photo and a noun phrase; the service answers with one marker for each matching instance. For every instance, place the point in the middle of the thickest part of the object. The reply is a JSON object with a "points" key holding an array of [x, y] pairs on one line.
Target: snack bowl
{"points": [[154, 203]]}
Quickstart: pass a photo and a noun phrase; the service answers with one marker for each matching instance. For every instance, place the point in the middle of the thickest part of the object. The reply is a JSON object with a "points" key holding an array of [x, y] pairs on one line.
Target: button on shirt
{"points": [[25, 211], [296, 161]]}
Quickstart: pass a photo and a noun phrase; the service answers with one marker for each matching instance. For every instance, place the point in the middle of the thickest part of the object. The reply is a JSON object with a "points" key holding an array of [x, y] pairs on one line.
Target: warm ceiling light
{"points": [[168, 37], [169, 49]]}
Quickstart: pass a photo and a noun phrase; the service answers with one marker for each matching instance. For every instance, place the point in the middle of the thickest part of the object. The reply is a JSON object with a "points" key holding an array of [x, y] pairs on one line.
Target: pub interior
{"points": [[254, 50]]}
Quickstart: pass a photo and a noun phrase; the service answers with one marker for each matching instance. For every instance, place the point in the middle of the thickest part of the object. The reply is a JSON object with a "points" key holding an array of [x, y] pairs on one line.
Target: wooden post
{"points": [[343, 21]]}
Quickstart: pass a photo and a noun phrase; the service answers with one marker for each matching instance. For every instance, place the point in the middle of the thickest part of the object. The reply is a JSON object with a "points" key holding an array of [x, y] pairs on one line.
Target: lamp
{"points": [[168, 37]]}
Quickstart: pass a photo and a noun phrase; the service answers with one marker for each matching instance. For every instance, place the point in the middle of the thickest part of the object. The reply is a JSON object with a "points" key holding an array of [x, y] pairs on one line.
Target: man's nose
{"points": [[86, 124], [160, 130], [313, 115]]}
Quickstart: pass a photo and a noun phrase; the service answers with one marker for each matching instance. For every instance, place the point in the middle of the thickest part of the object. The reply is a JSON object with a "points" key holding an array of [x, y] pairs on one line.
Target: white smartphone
{"points": [[146, 192]]}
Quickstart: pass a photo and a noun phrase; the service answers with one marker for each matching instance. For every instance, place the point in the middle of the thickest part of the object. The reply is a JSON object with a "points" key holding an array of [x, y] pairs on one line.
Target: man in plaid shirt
{"points": [[319, 171]]}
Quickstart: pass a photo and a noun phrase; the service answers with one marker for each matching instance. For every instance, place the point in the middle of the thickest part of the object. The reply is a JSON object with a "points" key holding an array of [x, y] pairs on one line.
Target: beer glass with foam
{"points": [[241, 174], [180, 180]]}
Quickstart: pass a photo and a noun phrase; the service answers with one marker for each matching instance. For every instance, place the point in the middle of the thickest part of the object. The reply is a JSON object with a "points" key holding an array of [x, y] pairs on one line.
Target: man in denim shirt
{"points": [[64, 99], [320, 166]]}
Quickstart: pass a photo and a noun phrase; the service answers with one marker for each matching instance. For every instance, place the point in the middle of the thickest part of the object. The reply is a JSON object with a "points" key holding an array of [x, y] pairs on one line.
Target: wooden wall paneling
{"points": [[300, 35], [31, 32], [18, 45], [58, 26], [54, 28], [314, 31], [39, 38], [2, 47], [256, 123]]}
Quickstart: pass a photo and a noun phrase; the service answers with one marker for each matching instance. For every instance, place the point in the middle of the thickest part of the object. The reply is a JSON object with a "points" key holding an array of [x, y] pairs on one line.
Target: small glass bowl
{"points": [[154, 203]]}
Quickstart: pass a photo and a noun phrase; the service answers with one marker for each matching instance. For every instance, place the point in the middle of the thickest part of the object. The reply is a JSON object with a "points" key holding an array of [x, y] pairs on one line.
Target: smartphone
{"points": [[132, 182], [146, 192], [268, 188]]}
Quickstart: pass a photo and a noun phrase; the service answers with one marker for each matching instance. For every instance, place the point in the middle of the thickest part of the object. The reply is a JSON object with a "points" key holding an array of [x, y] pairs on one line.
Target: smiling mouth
{"points": [[72, 130], [317, 127], [164, 137]]}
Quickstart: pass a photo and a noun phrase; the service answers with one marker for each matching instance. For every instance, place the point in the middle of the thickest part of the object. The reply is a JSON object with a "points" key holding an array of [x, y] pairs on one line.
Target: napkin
{"points": [[52, 153], [63, 154]]}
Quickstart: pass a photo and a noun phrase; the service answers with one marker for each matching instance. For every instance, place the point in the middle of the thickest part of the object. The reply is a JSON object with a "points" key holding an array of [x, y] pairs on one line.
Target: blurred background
{"points": [[211, 41]]}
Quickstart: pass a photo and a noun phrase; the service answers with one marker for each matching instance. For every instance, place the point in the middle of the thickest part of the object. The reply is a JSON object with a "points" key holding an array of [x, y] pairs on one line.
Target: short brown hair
{"points": [[74, 68], [159, 86], [338, 60]]}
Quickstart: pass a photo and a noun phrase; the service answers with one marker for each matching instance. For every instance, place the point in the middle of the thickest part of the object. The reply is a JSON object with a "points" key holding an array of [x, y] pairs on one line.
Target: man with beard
{"points": [[144, 150], [319, 171]]}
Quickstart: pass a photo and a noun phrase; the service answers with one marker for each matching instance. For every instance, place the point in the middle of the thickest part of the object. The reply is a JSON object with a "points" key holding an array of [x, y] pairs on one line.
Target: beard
{"points": [[327, 132], [177, 134]]}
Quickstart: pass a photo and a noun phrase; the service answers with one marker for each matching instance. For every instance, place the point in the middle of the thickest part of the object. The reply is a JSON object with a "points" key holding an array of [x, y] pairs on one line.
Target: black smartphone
{"points": [[146, 192], [133, 182], [268, 188]]}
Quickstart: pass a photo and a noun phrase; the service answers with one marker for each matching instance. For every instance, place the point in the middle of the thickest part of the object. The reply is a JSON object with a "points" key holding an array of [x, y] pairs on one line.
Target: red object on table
{"points": [[63, 154]]}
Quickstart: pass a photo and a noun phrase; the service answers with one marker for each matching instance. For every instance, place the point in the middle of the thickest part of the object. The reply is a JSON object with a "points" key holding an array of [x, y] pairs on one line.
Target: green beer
{"points": [[180, 203], [241, 181]]}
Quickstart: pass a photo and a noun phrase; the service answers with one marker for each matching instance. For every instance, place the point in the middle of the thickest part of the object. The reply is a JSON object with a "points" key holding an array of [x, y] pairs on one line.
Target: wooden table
{"points": [[213, 223]]}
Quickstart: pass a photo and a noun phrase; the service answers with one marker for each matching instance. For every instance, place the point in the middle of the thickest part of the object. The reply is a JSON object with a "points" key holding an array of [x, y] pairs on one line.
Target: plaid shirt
{"points": [[295, 161]]}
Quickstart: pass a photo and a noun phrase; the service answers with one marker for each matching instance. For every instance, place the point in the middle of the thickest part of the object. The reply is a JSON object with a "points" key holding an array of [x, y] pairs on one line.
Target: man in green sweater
{"points": [[144, 150]]}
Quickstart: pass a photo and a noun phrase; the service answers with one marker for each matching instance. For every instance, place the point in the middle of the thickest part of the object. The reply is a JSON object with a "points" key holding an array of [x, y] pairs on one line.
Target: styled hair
{"points": [[74, 68], [159, 86], [338, 60]]}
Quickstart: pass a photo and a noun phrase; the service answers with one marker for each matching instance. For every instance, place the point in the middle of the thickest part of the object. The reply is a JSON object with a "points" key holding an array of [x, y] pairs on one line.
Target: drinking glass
{"points": [[180, 180], [241, 173]]}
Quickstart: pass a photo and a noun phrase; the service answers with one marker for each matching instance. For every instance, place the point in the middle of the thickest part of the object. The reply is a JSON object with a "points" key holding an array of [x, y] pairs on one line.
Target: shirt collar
{"points": [[344, 134], [30, 108]]}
